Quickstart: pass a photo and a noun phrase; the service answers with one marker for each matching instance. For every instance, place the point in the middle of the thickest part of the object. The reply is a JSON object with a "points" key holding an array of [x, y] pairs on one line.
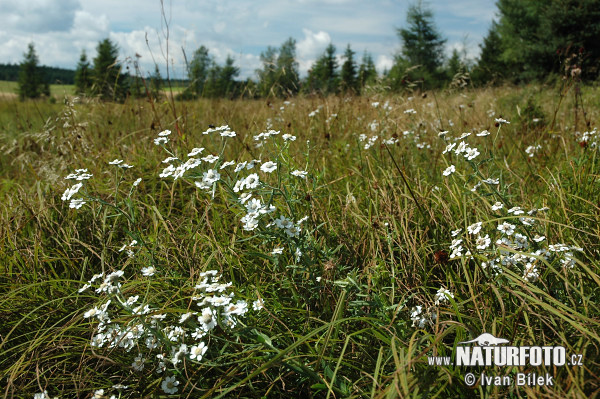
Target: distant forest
{"points": [[52, 75]]}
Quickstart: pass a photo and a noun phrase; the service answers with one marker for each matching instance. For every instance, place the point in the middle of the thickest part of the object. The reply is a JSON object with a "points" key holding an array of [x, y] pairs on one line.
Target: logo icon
{"points": [[486, 339]]}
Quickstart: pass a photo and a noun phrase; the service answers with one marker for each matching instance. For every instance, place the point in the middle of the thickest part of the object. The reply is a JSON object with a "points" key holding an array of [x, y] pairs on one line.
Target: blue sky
{"points": [[60, 29]]}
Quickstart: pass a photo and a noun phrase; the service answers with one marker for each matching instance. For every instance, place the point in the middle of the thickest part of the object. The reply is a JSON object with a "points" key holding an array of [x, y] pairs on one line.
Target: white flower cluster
{"points": [[422, 318], [169, 338], [513, 248]]}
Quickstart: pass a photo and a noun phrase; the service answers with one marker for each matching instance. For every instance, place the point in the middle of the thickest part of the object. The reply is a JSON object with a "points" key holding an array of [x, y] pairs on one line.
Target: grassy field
{"points": [[320, 247], [10, 90]]}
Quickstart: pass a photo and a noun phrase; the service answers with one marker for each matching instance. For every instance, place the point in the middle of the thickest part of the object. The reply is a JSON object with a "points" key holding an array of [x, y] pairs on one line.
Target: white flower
{"points": [[169, 385], [76, 203], [268, 167], [483, 133], [210, 158], [69, 192], [208, 319], [442, 133], [449, 170], [462, 136], [516, 210], [300, 173], [442, 296], [454, 233], [462, 147], [538, 238], [226, 164], [474, 228], [497, 205], [115, 162], [471, 153], [483, 242], [251, 181], [210, 176], [138, 363], [195, 151], [449, 147], [506, 228], [148, 271], [277, 251], [228, 133], [164, 133], [198, 351], [288, 137], [137, 182], [501, 121], [258, 304], [161, 140]]}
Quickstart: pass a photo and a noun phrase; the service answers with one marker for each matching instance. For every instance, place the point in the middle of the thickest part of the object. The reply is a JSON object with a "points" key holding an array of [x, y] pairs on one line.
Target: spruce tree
{"points": [[323, 76], [367, 74], [349, 80], [279, 75], [31, 83], [83, 78], [422, 46], [108, 82]]}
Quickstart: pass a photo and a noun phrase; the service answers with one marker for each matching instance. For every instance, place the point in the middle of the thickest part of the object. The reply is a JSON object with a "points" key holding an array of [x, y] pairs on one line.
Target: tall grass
{"points": [[343, 320]]}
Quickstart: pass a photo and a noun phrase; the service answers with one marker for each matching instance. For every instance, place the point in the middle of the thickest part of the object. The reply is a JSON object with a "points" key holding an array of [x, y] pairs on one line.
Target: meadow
{"points": [[315, 247]]}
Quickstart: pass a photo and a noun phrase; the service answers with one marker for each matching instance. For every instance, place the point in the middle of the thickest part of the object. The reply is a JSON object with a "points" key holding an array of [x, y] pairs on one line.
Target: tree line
{"points": [[530, 40]]}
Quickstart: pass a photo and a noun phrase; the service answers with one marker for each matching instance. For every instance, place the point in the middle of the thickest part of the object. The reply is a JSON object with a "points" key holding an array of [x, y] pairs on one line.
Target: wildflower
{"points": [[300, 173], [497, 206], [125, 166], [138, 363], [198, 351], [491, 181], [538, 238], [501, 121], [228, 133], [208, 319], [161, 140], [137, 182], [454, 233], [530, 274], [277, 251], [288, 137], [239, 308], [210, 158], [449, 170], [483, 242], [210, 176], [516, 210], [471, 153], [164, 133], [474, 228], [483, 133], [442, 133], [462, 147], [69, 192], [462, 136], [449, 148], [169, 385], [252, 181], [148, 271], [76, 203], [195, 151], [258, 304], [442, 296], [268, 167], [506, 228], [115, 162]]}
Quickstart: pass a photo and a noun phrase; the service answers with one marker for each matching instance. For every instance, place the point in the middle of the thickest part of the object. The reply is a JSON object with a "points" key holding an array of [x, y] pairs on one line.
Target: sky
{"points": [[61, 29]]}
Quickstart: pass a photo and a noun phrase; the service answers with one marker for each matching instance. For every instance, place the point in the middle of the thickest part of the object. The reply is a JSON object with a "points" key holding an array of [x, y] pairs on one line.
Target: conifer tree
{"points": [[348, 76], [31, 83], [108, 82], [83, 78]]}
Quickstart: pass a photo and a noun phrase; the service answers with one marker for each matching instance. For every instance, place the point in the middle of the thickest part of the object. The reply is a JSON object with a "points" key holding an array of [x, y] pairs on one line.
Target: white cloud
{"points": [[384, 62]]}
